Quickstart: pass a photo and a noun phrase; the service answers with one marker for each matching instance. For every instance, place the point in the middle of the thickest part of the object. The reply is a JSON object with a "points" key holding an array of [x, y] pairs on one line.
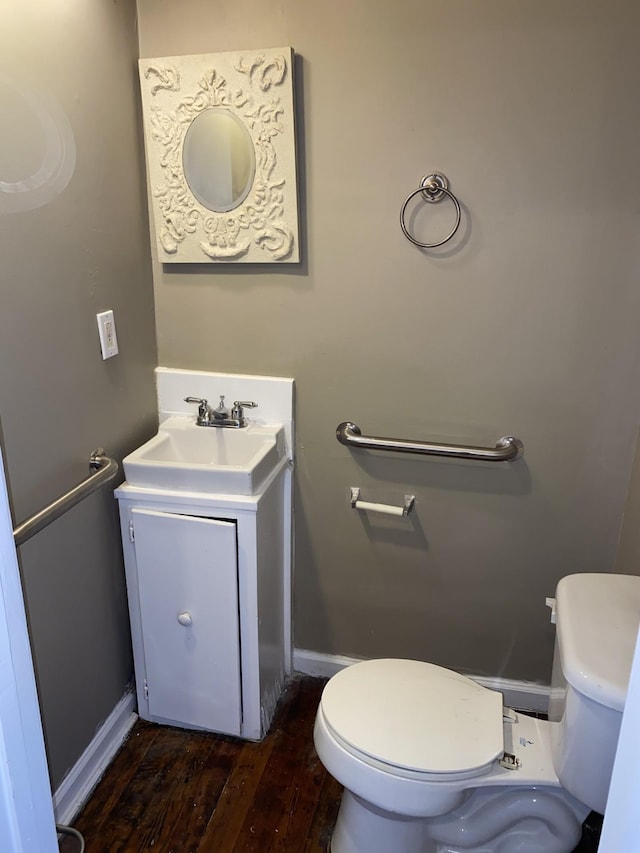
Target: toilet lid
{"points": [[415, 716]]}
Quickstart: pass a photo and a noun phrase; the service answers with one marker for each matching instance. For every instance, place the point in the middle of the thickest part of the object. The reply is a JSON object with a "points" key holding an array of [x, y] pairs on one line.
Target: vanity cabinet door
{"points": [[188, 592]]}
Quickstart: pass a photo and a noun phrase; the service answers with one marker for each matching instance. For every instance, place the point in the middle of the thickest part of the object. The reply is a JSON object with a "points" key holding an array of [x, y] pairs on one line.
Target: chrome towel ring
{"points": [[433, 188]]}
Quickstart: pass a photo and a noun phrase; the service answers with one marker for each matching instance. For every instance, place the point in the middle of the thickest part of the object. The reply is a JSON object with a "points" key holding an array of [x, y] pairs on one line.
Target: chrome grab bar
{"points": [[103, 469], [507, 449]]}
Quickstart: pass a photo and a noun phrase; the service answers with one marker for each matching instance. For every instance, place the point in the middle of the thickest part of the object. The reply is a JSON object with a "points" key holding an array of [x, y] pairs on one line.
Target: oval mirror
{"points": [[218, 159]]}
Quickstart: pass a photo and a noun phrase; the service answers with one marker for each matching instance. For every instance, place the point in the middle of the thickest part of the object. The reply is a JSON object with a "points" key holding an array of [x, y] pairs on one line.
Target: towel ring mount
{"points": [[433, 188]]}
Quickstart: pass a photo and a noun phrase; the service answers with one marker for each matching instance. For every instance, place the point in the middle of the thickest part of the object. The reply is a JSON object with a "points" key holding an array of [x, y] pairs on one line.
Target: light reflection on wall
{"points": [[37, 147]]}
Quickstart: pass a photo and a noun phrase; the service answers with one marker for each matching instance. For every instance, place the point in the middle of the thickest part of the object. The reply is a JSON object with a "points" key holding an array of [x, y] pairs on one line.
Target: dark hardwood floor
{"points": [[175, 791]]}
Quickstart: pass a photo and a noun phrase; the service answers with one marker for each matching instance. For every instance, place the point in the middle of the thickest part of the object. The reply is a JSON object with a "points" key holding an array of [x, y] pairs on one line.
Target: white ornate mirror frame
{"points": [[256, 86]]}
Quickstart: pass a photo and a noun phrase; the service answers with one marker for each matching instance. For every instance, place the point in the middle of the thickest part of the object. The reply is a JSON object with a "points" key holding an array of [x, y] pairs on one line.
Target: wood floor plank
{"points": [[325, 816], [94, 821], [177, 791], [283, 807], [195, 796], [140, 809], [135, 822], [235, 801], [118, 777], [189, 794], [232, 826]]}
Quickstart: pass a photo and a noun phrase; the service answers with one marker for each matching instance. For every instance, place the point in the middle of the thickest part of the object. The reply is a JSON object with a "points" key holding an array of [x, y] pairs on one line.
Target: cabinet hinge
{"points": [[145, 687], [132, 535]]}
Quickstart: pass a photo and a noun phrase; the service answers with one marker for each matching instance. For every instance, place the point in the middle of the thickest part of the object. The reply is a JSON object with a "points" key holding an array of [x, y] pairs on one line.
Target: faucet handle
{"points": [[239, 405], [203, 408], [203, 403]]}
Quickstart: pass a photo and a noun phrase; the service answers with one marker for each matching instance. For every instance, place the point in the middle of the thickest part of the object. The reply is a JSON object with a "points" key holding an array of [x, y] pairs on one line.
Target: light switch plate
{"points": [[107, 331]]}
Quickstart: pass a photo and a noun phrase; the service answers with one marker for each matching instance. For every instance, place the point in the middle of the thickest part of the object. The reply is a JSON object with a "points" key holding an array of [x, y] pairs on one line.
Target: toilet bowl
{"points": [[432, 763]]}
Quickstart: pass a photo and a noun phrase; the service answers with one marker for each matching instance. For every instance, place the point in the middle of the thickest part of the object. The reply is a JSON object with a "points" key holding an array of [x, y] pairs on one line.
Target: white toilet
{"points": [[431, 764]]}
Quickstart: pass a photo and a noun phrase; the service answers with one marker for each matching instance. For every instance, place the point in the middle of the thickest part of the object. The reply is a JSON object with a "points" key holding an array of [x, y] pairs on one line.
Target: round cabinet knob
{"points": [[185, 618]]}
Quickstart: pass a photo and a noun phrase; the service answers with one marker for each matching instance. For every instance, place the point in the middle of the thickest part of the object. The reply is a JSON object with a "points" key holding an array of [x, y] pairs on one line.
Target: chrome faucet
{"points": [[220, 413], [221, 416]]}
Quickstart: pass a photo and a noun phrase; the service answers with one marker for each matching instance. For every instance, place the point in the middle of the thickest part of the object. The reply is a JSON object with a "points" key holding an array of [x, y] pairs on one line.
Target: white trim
{"points": [[26, 815], [620, 830], [287, 586], [78, 784], [317, 663], [523, 695]]}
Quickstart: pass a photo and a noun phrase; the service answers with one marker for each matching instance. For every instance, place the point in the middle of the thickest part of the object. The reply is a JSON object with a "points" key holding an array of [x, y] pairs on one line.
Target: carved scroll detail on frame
{"points": [[257, 87]]}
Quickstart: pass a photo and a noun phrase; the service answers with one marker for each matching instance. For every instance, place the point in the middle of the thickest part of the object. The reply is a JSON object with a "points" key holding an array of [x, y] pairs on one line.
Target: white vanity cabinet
{"points": [[207, 588]]}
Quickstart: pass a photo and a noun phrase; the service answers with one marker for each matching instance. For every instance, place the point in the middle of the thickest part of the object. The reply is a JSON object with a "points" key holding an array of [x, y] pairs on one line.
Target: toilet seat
{"points": [[414, 719]]}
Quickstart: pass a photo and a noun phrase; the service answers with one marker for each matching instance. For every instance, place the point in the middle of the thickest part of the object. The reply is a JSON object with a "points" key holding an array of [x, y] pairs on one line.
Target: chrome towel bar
{"points": [[103, 469], [507, 449]]}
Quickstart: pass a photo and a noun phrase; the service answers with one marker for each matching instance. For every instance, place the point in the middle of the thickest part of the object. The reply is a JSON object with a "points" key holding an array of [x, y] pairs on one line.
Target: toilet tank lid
{"points": [[597, 622]]}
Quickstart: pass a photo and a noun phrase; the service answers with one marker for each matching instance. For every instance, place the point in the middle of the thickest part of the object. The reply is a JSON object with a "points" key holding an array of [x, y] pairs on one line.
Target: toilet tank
{"points": [[597, 618]]}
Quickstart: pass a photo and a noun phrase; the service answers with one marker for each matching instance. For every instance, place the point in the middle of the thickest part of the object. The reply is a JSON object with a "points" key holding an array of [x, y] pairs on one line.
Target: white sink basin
{"points": [[192, 458]]}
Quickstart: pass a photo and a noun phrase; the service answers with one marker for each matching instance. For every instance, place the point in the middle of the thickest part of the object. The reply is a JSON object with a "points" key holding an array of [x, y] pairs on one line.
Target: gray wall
{"points": [[628, 555], [83, 251], [528, 326]]}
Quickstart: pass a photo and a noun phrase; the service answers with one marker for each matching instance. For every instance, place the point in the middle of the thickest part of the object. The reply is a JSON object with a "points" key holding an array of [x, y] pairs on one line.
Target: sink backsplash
{"points": [[273, 394]]}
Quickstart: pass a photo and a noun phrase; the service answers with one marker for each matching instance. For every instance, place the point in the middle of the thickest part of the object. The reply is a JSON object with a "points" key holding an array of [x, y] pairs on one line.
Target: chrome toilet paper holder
{"points": [[386, 509]]}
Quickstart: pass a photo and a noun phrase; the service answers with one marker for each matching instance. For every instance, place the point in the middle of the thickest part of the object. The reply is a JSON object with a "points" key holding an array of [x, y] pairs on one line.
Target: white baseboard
{"points": [[317, 663], [86, 772], [522, 695]]}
